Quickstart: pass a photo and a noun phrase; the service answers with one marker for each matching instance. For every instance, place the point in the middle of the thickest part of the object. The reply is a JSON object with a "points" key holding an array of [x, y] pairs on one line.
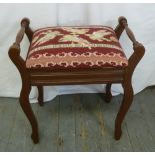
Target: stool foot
{"points": [[25, 104], [118, 133], [35, 138], [126, 103]]}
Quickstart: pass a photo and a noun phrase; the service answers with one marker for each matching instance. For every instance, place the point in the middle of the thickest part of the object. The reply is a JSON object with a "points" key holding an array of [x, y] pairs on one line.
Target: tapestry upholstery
{"points": [[75, 47]]}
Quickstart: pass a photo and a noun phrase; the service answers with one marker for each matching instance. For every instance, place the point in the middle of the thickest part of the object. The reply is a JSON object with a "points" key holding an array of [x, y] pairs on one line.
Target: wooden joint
{"points": [[14, 54], [24, 29], [120, 27], [138, 47], [122, 21], [134, 59], [25, 22], [139, 51], [14, 51]]}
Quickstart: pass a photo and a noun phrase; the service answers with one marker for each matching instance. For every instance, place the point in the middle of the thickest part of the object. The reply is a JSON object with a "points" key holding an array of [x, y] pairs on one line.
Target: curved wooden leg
{"points": [[108, 94], [40, 95], [24, 102], [139, 51], [126, 103]]}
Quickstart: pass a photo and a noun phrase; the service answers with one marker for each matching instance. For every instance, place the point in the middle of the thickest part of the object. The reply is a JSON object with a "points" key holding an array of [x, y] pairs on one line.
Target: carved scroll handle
{"points": [[123, 22], [24, 24]]}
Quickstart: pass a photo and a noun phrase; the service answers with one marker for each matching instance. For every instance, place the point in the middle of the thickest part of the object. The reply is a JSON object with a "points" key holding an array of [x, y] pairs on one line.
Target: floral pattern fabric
{"points": [[75, 47]]}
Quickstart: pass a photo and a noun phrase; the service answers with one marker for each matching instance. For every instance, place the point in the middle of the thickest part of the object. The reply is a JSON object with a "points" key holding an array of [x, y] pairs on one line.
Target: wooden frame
{"points": [[39, 78]]}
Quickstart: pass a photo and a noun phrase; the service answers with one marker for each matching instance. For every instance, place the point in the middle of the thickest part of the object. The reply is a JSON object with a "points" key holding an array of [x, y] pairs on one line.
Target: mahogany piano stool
{"points": [[75, 55]]}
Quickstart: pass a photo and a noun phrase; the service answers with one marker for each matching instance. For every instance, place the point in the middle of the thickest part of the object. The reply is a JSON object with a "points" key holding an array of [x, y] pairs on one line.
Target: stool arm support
{"points": [[138, 48], [118, 30], [134, 59], [24, 25], [14, 50], [123, 23]]}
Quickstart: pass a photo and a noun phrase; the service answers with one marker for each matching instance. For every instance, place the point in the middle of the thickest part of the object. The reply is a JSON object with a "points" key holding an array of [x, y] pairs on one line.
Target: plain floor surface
{"points": [[80, 122]]}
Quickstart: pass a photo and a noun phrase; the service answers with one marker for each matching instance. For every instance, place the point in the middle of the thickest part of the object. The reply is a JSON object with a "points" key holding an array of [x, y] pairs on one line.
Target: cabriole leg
{"points": [[25, 104], [126, 103]]}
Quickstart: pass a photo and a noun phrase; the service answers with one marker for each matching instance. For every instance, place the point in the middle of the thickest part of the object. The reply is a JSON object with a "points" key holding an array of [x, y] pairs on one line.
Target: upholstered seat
{"points": [[75, 47]]}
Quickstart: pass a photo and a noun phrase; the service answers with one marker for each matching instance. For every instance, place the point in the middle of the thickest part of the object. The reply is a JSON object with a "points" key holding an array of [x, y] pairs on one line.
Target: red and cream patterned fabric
{"points": [[75, 47]]}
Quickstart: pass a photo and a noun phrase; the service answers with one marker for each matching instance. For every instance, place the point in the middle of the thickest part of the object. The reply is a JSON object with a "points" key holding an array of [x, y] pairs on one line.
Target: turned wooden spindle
{"points": [[123, 22], [24, 25]]}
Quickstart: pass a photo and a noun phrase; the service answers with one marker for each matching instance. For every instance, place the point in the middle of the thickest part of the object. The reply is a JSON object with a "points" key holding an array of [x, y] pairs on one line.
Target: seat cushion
{"points": [[75, 47]]}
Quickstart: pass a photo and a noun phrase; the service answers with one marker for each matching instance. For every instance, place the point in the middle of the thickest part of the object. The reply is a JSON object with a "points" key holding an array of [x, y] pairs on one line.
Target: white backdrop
{"points": [[141, 19]]}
